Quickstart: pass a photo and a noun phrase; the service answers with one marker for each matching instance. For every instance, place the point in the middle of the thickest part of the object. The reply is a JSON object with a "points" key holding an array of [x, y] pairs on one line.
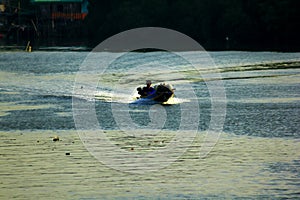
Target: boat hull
{"points": [[164, 93]]}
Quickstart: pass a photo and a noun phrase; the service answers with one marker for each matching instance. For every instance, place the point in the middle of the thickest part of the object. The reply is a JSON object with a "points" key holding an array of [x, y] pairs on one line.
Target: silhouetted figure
{"points": [[146, 91]]}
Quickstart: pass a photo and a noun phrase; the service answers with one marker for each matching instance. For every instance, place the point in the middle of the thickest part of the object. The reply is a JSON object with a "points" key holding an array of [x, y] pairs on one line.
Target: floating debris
{"points": [[55, 138]]}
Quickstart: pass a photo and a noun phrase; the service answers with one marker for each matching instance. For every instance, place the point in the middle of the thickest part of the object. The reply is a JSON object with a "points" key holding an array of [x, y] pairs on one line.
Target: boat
{"points": [[162, 94]]}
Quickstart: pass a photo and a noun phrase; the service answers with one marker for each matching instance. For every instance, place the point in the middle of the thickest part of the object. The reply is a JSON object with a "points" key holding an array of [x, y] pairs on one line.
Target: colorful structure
{"points": [[62, 9], [60, 18], [48, 22]]}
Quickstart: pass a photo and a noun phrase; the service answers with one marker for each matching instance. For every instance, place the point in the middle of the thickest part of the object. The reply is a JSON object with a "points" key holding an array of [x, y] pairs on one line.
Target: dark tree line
{"points": [[215, 24]]}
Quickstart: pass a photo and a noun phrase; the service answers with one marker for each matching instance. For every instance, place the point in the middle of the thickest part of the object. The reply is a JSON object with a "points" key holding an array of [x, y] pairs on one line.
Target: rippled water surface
{"points": [[256, 156]]}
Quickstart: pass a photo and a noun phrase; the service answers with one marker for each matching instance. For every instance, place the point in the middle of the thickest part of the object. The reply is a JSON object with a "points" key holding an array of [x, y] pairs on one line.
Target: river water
{"points": [[256, 154]]}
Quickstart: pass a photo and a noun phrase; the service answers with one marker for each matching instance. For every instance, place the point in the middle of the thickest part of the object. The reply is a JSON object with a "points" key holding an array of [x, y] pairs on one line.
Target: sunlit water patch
{"points": [[238, 167], [257, 155]]}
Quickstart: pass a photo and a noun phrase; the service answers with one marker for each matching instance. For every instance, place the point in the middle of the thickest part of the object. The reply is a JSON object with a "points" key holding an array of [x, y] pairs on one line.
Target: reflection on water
{"points": [[257, 156]]}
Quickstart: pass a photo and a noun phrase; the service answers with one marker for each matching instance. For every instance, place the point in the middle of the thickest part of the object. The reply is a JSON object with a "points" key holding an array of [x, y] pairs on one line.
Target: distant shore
{"points": [[44, 48], [86, 48]]}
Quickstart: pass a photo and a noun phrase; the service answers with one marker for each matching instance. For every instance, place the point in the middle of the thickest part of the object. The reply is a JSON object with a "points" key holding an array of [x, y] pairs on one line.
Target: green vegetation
{"points": [[215, 24]]}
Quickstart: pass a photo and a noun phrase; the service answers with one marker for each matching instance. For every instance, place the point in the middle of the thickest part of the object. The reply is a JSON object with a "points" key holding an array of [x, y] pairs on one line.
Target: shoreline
{"points": [[14, 48], [62, 48]]}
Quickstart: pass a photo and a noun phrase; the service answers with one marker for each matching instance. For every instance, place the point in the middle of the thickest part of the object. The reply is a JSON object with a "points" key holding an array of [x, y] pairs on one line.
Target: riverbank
{"points": [[83, 47], [23, 48]]}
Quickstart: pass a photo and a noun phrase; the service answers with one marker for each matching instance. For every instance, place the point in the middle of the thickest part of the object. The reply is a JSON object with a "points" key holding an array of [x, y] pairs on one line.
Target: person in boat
{"points": [[146, 91]]}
